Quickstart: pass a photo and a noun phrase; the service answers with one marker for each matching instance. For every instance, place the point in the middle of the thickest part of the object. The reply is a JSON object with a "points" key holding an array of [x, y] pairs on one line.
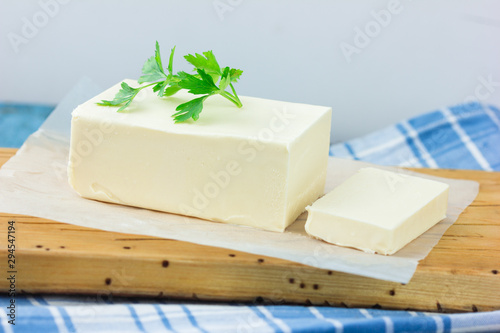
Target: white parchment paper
{"points": [[34, 182]]}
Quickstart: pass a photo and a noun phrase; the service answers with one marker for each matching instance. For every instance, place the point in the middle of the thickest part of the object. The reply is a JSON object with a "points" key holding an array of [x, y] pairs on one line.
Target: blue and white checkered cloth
{"points": [[464, 136], [87, 314]]}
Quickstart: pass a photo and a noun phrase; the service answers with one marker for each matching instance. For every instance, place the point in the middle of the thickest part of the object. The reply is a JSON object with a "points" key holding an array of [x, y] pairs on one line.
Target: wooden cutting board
{"points": [[460, 274]]}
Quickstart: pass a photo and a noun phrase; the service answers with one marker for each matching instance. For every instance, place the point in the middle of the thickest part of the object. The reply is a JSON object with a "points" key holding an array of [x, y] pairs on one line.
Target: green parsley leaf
{"points": [[153, 69], [171, 61], [197, 86], [235, 74], [123, 97], [189, 109], [160, 88], [172, 90], [207, 62]]}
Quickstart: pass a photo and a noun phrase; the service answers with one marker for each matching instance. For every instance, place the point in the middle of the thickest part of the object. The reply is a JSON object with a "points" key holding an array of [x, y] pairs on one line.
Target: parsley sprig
{"points": [[210, 79]]}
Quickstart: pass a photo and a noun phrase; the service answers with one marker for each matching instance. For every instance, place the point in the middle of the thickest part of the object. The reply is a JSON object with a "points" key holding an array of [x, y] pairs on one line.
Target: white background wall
{"points": [[429, 54]]}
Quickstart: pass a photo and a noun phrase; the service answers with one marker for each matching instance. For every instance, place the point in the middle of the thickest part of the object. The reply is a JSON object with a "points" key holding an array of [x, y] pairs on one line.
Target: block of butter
{"points": [[378, 211], [259, 165]]}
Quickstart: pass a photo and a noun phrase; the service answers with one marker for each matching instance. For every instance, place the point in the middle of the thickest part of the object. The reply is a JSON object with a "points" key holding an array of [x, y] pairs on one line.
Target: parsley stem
{"points": [[147, 85], [236, 96], [140, 88], [232, 98]]}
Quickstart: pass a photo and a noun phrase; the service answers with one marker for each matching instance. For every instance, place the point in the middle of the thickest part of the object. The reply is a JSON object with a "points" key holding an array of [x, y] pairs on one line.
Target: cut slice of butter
{"points": [[377, 211], [258, 166]]}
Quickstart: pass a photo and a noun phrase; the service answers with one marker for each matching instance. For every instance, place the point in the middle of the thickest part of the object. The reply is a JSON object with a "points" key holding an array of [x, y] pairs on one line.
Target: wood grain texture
{"points": [[461, 274]]}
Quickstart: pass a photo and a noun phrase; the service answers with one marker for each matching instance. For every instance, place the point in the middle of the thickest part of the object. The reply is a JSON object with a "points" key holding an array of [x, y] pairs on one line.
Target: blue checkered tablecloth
{"points": [[464, 136], [94, 314]]}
